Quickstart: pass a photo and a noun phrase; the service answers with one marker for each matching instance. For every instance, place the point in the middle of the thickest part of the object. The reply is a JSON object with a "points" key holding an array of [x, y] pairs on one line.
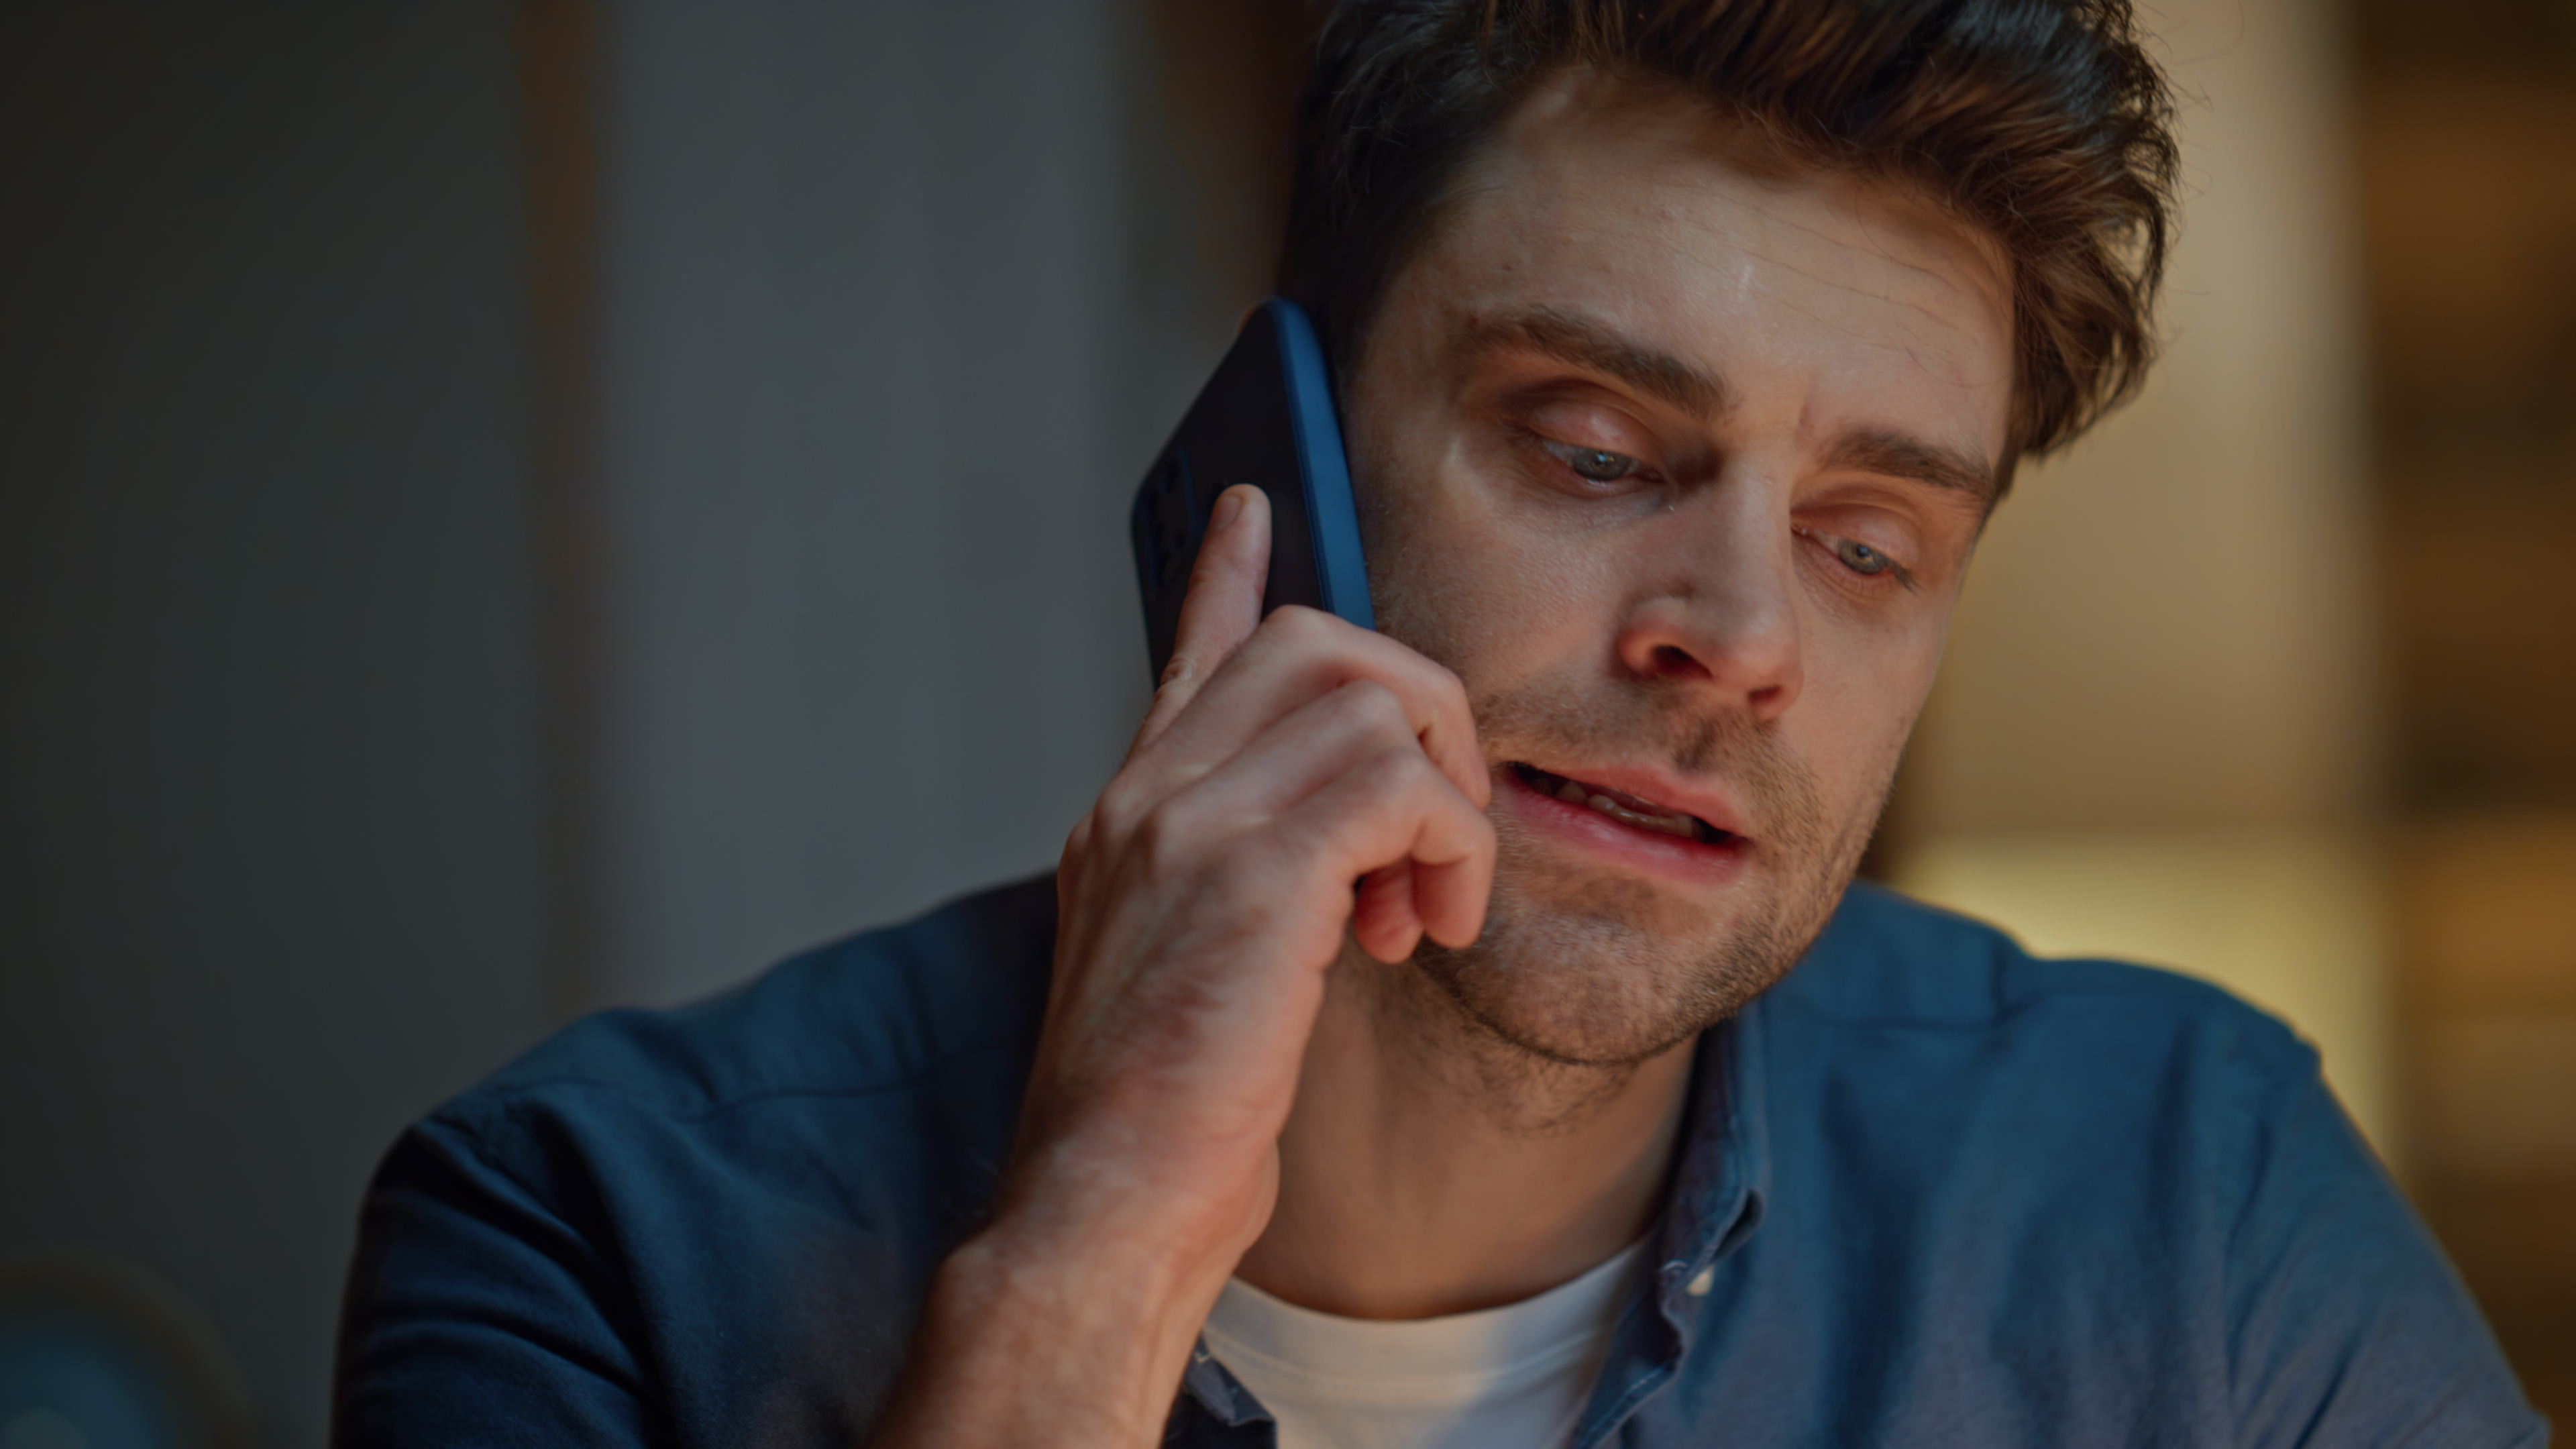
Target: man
{"points": [[1684, 348]]}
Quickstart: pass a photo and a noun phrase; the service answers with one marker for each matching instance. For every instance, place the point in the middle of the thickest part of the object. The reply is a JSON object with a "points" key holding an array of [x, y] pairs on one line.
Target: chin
{"points": [[1613, 971]]}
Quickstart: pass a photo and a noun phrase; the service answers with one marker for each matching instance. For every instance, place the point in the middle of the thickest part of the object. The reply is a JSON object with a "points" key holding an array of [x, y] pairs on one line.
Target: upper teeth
{"points": [[1675, 823]]}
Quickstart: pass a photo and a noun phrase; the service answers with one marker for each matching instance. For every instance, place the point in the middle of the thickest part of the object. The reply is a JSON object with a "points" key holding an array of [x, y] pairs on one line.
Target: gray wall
{"points": [[895, 307], [270, 791], [870, 422]]}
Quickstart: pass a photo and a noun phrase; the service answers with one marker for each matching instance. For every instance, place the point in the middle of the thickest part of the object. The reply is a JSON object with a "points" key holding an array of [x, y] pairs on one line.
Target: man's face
{"points": [[1677, 459]]}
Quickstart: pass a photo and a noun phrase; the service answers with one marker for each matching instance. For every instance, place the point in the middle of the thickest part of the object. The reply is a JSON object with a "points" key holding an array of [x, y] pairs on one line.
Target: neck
{"points": [[1429, 1167]]}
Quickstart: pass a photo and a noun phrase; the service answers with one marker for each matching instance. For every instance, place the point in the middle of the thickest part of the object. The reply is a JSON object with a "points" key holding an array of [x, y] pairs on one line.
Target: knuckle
{"points": [[1376, 708], [1453, 690], [1187, 669], [1299, 625], [1397, 771], [1114, 815], [1164, 840], [1481, 839]]}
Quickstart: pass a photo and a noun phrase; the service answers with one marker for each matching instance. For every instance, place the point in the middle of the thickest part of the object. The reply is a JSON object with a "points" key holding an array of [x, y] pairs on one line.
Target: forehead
{"points": [[1631, 201]]}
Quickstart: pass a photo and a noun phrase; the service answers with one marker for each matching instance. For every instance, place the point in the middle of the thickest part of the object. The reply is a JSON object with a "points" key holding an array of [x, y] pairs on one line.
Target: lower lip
{"points": [[1697, 862]]}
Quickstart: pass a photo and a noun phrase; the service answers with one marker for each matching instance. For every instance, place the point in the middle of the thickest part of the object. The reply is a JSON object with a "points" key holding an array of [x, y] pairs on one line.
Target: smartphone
{"points": [[1265, 418]]}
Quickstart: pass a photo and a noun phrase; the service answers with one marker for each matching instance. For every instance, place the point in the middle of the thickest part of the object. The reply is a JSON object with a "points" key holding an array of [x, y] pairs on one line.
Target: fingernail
{"points": [[1228, 504]]}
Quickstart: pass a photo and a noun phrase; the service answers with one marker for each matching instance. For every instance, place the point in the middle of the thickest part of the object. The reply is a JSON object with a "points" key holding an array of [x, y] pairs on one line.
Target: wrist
{"points": [[1147, 1232], [1033, 1336], [1123, 1283]]}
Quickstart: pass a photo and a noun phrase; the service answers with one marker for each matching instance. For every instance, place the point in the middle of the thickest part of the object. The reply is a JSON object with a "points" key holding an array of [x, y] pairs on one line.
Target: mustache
{"points": [[1728, 747]]}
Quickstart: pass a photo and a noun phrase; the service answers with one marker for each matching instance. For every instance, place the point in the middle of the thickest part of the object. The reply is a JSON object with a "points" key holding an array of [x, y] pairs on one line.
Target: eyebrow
{"points": [[1590, 345], [1899, 456]]}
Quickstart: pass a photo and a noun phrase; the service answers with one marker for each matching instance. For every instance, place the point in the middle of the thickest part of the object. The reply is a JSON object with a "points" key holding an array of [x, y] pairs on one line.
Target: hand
{"points": [[1203, 900]]}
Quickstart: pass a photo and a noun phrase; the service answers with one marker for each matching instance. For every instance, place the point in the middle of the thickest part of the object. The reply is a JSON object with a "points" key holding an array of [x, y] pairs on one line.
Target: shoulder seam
{"points": [[489, 1099]]}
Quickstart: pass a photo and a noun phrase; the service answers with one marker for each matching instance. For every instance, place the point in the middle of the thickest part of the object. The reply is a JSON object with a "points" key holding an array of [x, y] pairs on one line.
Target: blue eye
{"points": [[1598, 465], [1860, 558]]}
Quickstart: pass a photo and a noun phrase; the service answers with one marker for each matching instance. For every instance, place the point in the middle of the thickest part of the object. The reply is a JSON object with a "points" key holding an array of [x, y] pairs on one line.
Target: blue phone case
{"points": [[1265, 418]]}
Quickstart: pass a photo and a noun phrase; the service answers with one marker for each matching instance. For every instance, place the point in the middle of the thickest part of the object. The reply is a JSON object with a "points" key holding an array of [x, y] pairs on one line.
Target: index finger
{"points": [[1222, 607]]}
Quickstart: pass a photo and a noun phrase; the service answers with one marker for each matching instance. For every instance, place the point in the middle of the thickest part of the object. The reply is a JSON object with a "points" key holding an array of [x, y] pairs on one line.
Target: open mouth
{"points": [[1621, 806]]}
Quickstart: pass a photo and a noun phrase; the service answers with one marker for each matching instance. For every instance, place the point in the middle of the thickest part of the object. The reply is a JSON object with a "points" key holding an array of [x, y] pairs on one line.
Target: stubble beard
{"points": [[1582, 978], [1600, 973]]}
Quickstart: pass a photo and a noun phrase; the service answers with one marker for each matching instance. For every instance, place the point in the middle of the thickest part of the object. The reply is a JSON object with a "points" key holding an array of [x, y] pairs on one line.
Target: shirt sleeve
{"points": [[479, 1312], [2347, 1325]]}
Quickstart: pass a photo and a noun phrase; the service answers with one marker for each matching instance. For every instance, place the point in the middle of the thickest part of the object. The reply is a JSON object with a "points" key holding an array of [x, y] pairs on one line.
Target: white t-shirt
{"points": [[1515, 1377]]}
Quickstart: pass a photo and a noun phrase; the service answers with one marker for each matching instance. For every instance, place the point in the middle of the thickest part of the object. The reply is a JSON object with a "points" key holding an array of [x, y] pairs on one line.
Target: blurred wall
{"points": [[870, 324], [423, 613], [271, 792]]}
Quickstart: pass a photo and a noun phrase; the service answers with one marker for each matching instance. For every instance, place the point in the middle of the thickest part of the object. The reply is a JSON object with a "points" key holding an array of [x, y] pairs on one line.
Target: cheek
{"points": [[1455, 579], [1862, 694]]}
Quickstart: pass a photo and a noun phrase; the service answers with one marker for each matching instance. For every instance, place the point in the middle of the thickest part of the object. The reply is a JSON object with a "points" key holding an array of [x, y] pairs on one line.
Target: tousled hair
{"points": [[2043, 122]]}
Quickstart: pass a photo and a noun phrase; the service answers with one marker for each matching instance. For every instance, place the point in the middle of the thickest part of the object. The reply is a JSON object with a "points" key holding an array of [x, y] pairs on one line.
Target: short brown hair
{"points": [[2042, 121]]}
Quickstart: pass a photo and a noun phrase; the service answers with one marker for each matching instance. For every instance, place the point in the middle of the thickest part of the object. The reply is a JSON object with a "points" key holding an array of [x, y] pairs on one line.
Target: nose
{"points": [[1715, 612]]}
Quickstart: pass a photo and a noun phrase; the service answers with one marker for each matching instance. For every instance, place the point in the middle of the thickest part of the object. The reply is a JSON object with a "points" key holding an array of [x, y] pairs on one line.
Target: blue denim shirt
{"points": [[1931, 1191]]}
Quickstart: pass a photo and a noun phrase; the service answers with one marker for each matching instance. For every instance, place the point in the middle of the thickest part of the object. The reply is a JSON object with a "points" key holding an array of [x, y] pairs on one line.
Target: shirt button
{"points": [[1698, 1287]]}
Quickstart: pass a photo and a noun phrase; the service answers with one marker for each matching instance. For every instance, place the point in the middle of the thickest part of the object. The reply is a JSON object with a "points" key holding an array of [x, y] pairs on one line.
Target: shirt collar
{"points": [[1720, 1183], [1724, 1172]]}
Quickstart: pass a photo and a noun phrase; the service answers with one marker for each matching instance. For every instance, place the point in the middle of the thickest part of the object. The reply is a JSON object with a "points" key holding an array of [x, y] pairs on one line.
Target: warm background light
{"points": [[2273, 680], [2157, 730]]}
